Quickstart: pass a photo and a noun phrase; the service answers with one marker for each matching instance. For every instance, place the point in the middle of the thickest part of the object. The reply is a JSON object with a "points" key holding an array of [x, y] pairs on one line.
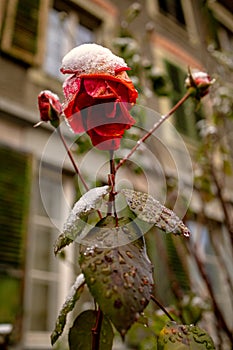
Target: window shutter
{"points": [[187, 115], [14, 204], [24, 29]]}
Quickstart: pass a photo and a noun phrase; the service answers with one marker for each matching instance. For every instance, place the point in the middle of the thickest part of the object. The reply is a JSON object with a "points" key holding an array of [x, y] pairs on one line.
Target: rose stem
{"points": [[161, 307], [111, 181], [96, 330], [72, 159], [155, 127], [75, 165]]}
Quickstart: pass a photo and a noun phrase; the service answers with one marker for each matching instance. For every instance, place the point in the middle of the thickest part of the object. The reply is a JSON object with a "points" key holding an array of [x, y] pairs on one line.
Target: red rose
{"points": [[50, 107], [98, 95]]}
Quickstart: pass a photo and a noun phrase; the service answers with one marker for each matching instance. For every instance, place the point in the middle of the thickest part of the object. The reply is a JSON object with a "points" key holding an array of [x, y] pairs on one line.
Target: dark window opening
{"points": [[174, 9]]}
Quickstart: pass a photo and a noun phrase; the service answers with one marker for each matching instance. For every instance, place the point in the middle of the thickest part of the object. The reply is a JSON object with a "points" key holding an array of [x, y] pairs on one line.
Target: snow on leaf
{"points": [[152, 211], [89, 202], [68, 306]]}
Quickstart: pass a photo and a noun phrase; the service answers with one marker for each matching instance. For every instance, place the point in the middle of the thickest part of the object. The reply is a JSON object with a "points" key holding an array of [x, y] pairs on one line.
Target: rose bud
{"points": [[198, 83], [98, 95], [50, 107]]}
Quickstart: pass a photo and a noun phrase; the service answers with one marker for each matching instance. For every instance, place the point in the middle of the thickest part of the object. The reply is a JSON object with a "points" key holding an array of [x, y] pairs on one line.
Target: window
{"points": [[187, 116], [172, 8], [220, 24], [228, 4], [225, 38], [14, 204], [23, 29], [211, 243], [34, 30], [221, 34], [67, 27], [43, 271]]}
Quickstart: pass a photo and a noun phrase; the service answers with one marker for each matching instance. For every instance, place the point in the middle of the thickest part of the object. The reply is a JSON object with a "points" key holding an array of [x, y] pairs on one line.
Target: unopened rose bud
{"points": [[50, 107], [198, 83]]}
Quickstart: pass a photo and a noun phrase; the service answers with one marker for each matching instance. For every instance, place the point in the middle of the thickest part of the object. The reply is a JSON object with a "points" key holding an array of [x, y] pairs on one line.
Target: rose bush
{"points": [[112, 251], [98, 95]]}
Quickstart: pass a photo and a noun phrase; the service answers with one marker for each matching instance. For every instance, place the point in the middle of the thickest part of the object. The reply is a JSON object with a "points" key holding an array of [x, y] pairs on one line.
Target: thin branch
{"points": [[75, 165], [221, 262], [155, 127], [161, 307], [217, 311], [96, 331], [72, 159], [228, 220], [111, 180]]}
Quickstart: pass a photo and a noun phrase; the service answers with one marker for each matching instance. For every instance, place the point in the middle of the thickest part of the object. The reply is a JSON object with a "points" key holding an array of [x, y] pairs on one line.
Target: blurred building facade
{"points": [[37, 180]]}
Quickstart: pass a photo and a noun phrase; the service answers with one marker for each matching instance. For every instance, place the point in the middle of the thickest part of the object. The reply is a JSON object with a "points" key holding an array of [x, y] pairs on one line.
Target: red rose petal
{"points": [[95, 87], [104, 143], [71, 86], [99, 104], [76, 123]]}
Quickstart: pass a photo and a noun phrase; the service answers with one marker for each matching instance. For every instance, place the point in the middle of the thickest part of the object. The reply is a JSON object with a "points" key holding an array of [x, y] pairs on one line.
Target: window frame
{"points": [[60, 275], [74, 20], [105, 11], [188, 31], [172, 16], [223, 25], [222, 14], [7, 45]]}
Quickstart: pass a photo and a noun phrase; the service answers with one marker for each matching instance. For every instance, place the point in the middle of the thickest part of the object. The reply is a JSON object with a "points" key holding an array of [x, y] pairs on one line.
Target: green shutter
{"points": [[187, 115], [26, 24], [14, 203], [24, 29]]}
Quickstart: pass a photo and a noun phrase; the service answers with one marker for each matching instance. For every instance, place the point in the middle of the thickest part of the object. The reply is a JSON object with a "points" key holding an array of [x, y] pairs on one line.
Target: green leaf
{"points": [[76, 222], [74, 295], [184, 337], [119, 278], [152, 211], [80, 334]]}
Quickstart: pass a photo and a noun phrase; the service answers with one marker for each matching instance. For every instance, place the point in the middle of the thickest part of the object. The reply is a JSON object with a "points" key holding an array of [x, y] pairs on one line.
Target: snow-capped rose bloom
{"points": [[50, 107], [200, 82], [98, 95]]}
